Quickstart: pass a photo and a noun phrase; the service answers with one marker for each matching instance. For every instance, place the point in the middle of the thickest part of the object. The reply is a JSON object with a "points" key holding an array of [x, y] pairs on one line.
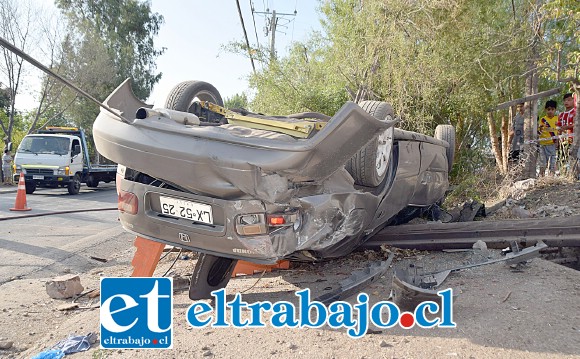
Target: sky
{"points": [[195, 31]]}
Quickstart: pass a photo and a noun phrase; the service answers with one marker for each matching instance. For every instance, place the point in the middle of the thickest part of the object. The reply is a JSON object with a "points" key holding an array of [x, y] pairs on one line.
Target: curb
{"points": [[8, 190]]}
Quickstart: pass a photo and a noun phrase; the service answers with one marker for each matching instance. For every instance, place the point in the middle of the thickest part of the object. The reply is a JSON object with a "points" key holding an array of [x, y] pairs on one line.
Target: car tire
{"points": [[30, 187], [74, 186], [447, 134], [210, 273], [370, 165], [182, 96]]}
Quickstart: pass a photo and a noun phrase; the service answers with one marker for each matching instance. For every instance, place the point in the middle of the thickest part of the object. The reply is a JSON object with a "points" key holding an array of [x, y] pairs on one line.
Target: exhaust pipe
{"points": [[185, 118]]}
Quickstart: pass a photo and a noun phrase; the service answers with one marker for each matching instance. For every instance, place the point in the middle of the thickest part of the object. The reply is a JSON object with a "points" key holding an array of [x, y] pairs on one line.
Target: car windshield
{"points": [[45, 144]]}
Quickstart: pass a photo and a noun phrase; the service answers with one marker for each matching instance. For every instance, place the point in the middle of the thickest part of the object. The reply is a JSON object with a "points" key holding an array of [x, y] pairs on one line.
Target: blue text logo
{"points": [[136, 313]]}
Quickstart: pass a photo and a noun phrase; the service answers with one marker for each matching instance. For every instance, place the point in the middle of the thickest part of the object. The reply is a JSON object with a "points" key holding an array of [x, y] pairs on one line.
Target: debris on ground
{"points": [[63, 287], [76, 343], [5, 344], [480, 245], [72, 344], [552, 210], [538, 198], [518, 189], [98, 259], [180, 282], [67, 306], [357, 281], [411, 285], [406, 292], [49, 354], [467, 212]]}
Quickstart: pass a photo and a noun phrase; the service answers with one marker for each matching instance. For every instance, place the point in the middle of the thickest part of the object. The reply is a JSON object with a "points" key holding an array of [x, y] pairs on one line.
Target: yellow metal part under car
{"points": [[299, 128]]}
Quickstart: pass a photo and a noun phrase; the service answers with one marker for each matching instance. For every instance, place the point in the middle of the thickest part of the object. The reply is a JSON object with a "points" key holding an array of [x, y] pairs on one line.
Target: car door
{"points": [[76, 164]]}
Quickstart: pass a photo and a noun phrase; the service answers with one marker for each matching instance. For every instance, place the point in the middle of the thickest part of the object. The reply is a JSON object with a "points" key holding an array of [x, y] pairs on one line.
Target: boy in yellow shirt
{"points": [[547, 133]]}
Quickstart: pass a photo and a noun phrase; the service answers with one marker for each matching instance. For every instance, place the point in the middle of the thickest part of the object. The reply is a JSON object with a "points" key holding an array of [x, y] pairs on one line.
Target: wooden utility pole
{"points": [[273, 24], [531, 108], [272, 27]]}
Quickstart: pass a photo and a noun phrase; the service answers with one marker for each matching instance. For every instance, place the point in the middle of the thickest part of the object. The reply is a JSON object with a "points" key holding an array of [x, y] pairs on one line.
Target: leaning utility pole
{"points": [[246, 35]]}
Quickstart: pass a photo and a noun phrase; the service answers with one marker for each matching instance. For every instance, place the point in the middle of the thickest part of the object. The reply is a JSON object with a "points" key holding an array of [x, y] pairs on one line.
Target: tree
{"points": [[236, 101], [107, 42], [49, 97], [4, 99], [411, 55], [17, 27], [127, 29], [561, 55]]}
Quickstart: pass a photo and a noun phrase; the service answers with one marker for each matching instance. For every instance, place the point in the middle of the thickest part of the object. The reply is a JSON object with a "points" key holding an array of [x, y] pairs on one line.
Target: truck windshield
{"points": [[45, 144]]}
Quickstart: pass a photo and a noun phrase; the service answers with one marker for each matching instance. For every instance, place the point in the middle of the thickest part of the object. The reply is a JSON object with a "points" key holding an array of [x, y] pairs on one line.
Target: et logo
{"points": [[136, 313]]}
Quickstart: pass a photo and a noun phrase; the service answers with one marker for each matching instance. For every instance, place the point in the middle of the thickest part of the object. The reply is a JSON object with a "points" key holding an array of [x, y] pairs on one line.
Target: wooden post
{"points": [[494, 141], [505, 142]]}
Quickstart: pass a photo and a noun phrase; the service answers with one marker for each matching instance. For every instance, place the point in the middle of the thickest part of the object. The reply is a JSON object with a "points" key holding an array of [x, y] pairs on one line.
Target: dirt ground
{"points": [[531, 312]]}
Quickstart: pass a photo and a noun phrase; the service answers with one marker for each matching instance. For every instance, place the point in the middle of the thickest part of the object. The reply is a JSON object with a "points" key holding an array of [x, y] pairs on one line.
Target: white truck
{"points": [[59, 157]]}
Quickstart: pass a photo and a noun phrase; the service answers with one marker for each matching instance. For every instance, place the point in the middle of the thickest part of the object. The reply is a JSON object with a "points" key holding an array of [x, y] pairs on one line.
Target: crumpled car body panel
{"points": [[239, 171]]}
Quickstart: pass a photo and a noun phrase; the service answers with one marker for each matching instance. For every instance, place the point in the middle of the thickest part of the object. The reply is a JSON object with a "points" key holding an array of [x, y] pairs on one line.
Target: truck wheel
{"points": [[74, 186], [182, 96], [369, 166], [92, 182], [30, 187], [447, 134]]}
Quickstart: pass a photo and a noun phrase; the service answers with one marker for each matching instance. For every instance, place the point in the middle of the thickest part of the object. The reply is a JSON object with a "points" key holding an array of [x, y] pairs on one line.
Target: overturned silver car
{"points": [[232, 184]]}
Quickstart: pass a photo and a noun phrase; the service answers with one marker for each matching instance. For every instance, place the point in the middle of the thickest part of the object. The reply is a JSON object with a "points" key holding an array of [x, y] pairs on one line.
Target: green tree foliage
{"points": [[107, 41], [299, 82], [126, 29], [562, 34], [445, 61], [237, 101], [4, 99]]}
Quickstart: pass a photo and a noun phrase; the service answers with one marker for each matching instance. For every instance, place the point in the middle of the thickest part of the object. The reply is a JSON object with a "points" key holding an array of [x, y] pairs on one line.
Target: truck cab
{"points": [[58, 157]]}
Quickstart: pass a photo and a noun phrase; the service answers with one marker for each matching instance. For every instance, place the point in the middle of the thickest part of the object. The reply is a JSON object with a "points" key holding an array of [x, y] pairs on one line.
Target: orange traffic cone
{"points": [[20, 204]]}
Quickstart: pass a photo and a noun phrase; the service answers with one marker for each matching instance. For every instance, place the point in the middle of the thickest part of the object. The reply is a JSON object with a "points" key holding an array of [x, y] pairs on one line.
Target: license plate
{"points": [[180, 208], [37, 177]]}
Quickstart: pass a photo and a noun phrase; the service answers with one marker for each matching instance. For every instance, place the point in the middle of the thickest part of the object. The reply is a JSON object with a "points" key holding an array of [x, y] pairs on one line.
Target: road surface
{"points": [[50, 245]]}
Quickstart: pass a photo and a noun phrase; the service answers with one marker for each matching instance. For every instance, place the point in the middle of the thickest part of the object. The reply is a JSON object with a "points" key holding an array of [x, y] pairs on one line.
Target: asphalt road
{"points": [[49, 246]]}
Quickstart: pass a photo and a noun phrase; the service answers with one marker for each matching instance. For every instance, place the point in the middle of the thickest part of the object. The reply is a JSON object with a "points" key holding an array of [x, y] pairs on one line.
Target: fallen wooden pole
{"points": [[547, 93], [555, 232]]}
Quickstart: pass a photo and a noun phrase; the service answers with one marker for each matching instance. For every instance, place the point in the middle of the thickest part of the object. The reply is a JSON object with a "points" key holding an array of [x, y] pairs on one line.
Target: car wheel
{"points": [[74, 186], [447, 134], [183, 96], [369, 166], [210, 273], [30, 187]]}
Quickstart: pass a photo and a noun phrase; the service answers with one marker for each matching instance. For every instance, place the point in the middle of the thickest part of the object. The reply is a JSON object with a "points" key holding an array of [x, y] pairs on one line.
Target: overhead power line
{"points": [[254, 20], [246, 35]]}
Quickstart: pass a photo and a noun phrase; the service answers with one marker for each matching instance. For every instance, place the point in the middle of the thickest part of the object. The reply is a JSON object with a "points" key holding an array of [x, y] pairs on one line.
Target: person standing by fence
{"points": [[547, 136], [565, 126]]}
